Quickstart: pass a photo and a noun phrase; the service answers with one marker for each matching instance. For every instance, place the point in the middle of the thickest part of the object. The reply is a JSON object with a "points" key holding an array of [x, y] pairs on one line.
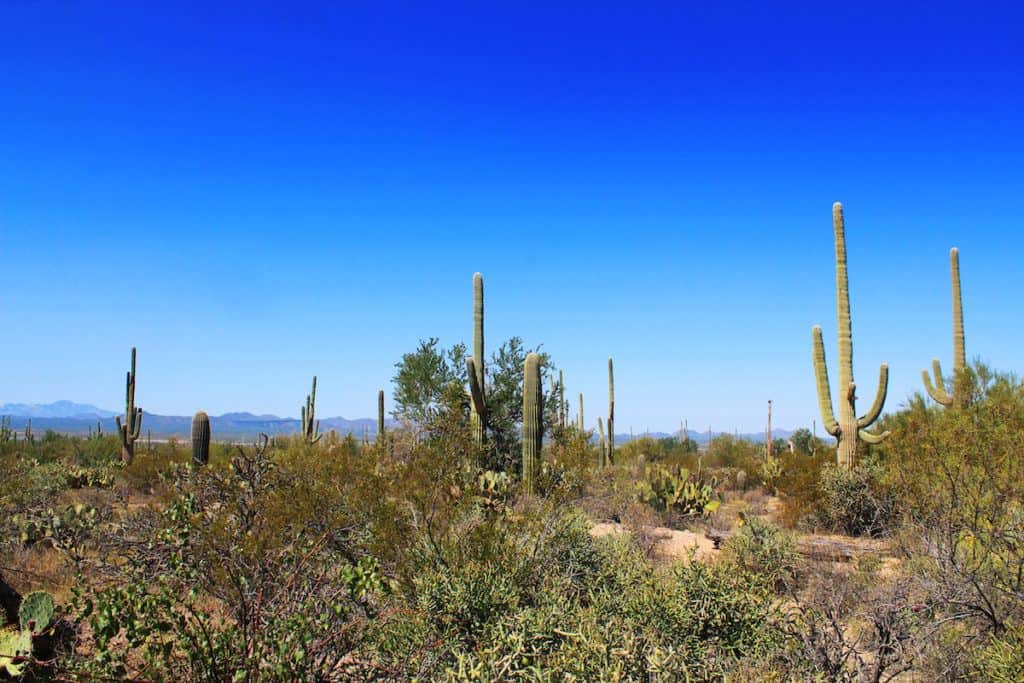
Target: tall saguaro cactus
{"points": [[579, 417], [849, 429], [533, 426], [768, 434], [380, 415], [938, 390], [310, 425], [200, 439], [611, 413], [130, 430], [475, 365]]}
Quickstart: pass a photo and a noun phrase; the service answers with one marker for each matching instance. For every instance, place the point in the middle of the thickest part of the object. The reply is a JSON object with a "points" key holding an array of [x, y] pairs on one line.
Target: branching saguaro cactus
{"points": [[533, 415], [938, 390], [848, 429], [200, 439], [611, 414], [380, 415], [475, 365], [132, 427], [310, 425]]}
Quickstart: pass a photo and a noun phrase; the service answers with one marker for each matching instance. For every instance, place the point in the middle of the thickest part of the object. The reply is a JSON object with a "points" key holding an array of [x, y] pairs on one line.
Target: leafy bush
{"points": [[855, 501], [763, 549]]}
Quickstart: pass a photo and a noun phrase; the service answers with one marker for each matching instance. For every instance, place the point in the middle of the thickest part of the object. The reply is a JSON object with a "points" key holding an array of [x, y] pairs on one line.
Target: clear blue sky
{"points": [[253, 193]]}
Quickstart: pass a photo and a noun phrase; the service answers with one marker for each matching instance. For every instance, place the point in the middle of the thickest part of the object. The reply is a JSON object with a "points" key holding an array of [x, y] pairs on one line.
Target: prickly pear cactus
{"points": [[36, 612], [15, 651]]}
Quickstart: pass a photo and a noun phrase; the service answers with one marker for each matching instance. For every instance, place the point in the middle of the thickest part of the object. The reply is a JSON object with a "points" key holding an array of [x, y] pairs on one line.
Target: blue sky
{"points": [[253, 193]]}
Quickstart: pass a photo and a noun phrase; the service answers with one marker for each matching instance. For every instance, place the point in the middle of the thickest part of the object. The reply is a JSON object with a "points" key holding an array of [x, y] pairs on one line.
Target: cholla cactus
{"points": [[938, 390], [533, 426], [131, 428], [849, 429], [310, 425], [200, 439]]}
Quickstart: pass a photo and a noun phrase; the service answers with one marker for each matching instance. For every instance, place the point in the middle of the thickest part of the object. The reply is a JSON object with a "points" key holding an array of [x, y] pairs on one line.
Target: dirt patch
{"points": [[669, 545]]}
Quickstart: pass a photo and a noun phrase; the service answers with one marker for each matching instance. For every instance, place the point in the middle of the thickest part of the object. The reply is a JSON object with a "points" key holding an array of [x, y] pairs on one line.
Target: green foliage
{"points": [[430, 382], [764, 550], [855, 501]]}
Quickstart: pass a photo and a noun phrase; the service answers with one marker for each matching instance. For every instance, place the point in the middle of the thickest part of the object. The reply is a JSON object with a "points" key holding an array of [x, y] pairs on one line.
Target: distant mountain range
{"points": [[76, 418], [68, 417]]}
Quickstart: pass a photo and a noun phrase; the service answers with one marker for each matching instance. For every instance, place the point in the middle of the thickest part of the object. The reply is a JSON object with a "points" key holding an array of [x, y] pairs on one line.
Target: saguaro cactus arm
{"points": [[869, 437], [475, 390], [876, 408], [938, 390], [828, 416]]}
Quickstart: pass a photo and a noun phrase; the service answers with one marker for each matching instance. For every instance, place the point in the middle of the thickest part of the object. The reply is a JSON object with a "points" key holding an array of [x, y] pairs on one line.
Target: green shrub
{"points": [[855, 502], [764, 550]]}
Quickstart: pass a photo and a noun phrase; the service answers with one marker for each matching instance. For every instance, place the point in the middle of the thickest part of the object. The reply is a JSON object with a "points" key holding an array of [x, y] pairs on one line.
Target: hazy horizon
{"points": [[254, 196]]}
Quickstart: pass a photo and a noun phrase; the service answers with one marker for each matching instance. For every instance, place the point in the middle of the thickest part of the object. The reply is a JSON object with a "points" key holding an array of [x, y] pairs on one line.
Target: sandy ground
{"points": [[670, 544]]}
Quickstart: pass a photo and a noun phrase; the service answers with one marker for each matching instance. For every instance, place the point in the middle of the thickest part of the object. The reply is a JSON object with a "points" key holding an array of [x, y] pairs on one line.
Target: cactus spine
{"points": [[849, 430], [380, 414], [475, 365], [938, 390], [611, 414], [310, 425], [129, 431], [200, 439], [533, 427]]}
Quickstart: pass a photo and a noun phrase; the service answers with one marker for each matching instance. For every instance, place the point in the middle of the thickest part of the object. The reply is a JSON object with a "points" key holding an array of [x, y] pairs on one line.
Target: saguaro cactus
{"points": [[768, 434], [848, 429], [533, 426], [200, 439], [579, 418], [310, 425], [611, 413], [475, 365], [380, 415], [602, 445], [132, 426], [938, 390]]}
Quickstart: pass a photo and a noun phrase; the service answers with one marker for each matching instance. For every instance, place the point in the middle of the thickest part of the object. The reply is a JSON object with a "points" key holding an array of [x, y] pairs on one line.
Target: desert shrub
{"points": [[853, 626], [764, 550], [855, 501], [797, 485], [1001, 659], [727, 451], [578, 608], [959, 473]]}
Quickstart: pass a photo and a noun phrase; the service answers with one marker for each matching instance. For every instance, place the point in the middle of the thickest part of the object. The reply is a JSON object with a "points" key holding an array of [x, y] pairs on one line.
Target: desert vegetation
{"points": [[490, 536]]}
